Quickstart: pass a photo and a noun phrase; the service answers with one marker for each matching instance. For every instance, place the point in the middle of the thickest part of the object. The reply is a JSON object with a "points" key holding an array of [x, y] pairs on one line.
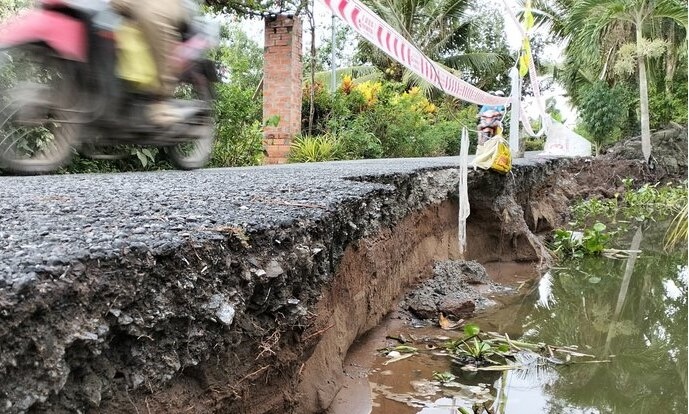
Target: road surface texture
{"points": [[46, 222]]}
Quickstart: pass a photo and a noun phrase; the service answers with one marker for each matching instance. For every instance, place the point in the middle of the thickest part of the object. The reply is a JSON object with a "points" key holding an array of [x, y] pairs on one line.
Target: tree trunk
{"points": [[643, 91]]}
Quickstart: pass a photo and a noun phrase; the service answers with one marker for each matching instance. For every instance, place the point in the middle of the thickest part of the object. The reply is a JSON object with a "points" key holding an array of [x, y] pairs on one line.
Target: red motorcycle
{"points": [[60, 91]]}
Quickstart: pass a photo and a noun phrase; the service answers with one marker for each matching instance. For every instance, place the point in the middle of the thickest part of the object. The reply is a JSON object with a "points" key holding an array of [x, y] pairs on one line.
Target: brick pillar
{"points": [[281, 85]]}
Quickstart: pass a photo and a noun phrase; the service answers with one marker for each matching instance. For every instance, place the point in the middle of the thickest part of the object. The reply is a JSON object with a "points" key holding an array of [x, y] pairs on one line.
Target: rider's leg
{"points": [[159, 21]]}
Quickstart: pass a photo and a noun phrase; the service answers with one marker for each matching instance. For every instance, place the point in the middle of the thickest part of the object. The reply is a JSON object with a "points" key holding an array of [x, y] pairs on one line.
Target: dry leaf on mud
{"points": [[447, 324]]}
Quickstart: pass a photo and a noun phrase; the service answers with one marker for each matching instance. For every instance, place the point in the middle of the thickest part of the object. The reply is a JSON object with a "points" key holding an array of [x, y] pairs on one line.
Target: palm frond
{"points": [[678, 229], [478, 62], [550, 13], [673, 10], [411, 78]]}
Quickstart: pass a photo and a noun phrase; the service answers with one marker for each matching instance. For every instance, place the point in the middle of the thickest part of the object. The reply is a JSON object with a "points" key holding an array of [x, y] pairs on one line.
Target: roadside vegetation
{"points": [[379, 119], [623, 66]]}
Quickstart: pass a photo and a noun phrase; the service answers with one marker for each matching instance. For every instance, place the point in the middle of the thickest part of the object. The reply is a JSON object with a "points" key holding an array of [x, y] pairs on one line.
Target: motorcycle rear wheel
{"points": [[39, 116], [197, 152]]}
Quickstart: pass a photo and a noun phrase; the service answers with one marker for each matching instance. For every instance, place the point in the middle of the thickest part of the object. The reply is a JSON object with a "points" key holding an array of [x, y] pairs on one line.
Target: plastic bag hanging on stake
{"points": [[463, 193], [494, 154], [561, 141]]}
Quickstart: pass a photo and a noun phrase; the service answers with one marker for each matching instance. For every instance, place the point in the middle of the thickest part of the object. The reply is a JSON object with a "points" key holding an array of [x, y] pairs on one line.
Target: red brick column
{"points": [[281, 85]]}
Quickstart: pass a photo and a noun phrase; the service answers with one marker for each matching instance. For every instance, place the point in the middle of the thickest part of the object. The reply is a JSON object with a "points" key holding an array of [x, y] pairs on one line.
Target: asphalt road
{"points": [[48, 221]]}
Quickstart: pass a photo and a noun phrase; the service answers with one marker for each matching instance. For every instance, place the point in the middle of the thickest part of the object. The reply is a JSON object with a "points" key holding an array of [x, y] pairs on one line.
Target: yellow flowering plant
{"points": [[370, 90]]}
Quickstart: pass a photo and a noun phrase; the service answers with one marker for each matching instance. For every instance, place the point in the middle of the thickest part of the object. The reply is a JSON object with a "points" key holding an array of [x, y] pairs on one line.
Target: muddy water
{"points": [[632, 312]]}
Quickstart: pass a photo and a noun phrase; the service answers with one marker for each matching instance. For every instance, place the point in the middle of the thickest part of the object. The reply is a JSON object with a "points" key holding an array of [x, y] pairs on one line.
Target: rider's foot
{"points": [[163, 113]]}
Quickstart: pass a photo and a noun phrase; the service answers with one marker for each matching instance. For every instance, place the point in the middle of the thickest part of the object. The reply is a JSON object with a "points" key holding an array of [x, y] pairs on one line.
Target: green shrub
{"points": [[668, 106], [313, 149], [245, 148], [603, 112], [440, 138], [449, 125], [132, 158], [399, 131], [534, 144], [239, 136], [358, 142], [382, 119]]}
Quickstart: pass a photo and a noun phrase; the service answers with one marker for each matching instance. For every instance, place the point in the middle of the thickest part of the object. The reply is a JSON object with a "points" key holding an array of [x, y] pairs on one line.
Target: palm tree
{"points": [[591, 25]]}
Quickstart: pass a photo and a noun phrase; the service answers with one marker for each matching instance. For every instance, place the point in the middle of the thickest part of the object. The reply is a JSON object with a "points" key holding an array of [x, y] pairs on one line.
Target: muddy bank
{"points": [[258, 321]]}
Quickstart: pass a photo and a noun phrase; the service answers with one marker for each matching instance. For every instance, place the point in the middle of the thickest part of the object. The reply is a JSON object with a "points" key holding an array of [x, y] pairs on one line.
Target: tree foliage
{"points": [[603, 111], [624, 42], [238, 107], [254, 8]]}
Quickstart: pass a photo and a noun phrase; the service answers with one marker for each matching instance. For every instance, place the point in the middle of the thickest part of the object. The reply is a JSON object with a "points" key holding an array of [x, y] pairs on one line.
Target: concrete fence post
{"points": [[282, 88]]}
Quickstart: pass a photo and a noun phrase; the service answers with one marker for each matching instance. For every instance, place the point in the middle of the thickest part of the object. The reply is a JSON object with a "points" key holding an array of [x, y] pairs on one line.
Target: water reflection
{"points": [[632, 312]]}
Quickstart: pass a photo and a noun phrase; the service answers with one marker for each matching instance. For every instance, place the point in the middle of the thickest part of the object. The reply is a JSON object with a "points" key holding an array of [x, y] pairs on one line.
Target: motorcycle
{"points": [[61, 92], [489, 125]]}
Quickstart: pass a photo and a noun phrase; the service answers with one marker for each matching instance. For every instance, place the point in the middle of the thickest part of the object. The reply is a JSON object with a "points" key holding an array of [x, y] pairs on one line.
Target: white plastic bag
{"points": [[561, 141]]}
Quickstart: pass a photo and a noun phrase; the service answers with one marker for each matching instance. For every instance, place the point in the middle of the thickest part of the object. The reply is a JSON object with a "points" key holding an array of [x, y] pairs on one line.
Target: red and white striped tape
{"points": [[382, 35]]}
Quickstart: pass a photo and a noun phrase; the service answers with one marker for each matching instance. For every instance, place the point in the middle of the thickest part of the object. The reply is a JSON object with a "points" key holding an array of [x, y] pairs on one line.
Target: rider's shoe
{"points": [[164, 113]]}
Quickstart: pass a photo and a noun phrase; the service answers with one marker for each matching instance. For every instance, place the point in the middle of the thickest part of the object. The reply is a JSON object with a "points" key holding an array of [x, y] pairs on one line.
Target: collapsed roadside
{"points": [[261, 321]]}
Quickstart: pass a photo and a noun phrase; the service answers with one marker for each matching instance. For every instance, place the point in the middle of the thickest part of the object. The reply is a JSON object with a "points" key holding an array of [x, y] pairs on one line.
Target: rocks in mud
{"points": [[221, 308], [452, 290]]}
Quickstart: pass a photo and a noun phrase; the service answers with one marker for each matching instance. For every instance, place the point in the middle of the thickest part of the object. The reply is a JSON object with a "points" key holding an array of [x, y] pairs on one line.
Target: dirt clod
{"points": [[453, 290]]}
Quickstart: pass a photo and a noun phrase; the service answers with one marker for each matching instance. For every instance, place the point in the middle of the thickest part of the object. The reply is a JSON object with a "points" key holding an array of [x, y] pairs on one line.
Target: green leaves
{"points": [[603, 110], [444, 377], [145, 155], [599, 227], [239, 129], [238, 145], [577, 244], [471, 329], [648, 202], [272, 121], [476, 348]]}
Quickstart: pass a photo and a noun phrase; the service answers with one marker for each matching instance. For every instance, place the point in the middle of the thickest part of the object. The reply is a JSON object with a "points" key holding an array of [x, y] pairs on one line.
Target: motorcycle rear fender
{"points": [[64, 34]]}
